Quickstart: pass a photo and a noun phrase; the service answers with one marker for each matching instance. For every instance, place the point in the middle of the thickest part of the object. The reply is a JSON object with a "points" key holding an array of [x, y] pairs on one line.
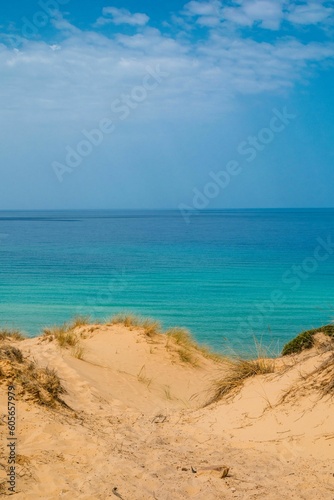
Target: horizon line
{"points": [[195, 211]]}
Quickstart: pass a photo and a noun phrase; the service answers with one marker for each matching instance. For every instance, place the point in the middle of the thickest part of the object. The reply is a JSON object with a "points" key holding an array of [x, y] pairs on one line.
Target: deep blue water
{"points": [[227, 276]]}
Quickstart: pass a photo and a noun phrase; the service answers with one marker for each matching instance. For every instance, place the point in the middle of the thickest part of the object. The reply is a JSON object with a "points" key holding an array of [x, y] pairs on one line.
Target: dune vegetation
{"points": [[305, 340]]}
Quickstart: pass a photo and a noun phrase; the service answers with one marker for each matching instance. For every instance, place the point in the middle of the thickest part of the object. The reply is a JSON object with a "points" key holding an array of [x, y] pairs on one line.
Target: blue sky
{"points": [[190, 105]]}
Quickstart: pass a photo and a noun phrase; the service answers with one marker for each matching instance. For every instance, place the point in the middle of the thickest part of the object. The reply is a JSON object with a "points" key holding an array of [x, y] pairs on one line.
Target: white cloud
{"points": [[250, 67], [207, 14], [268, 13], [50, 91], [61, 24], [209, 21], [309, 13], [77, 78], [195, 8], [121, 16]]}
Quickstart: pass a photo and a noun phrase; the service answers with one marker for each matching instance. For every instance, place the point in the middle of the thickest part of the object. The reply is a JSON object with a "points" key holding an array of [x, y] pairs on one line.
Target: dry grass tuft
{"points": [[41, 385], [12, 334], [186, 356], [324, 376], [141, 377], [209, 354], [10, 353], [64, 335], [78, 321], [67, 335], [150, 327], [182, 337], [129, 320], [78, 351], [320, 380], [237, 371]]}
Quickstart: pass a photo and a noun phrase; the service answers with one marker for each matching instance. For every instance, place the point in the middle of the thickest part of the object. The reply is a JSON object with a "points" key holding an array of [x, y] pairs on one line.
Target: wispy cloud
{"points": [[205, 13], [266, 14], [310, 13], [112, 15], [81, 71], [195, 8]]}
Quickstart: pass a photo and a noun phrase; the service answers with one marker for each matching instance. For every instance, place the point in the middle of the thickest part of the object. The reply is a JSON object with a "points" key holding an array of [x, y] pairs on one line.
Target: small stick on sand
{"points": [[219, 468], [115, 492]]}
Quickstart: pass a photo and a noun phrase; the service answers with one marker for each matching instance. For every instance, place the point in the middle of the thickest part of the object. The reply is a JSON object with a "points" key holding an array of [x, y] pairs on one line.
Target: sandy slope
{"points": [[139, 425]]}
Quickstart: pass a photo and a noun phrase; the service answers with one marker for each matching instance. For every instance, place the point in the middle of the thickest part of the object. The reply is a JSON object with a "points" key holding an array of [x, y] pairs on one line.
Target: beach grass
{"points": [[78, 321], [128, 320], [64, 335], [183, 338], [151, 327], [187, 356], [10, 353], [321, 379], [236, 371], [78, 351], [131, 321], [13, 334], [42, 385]]}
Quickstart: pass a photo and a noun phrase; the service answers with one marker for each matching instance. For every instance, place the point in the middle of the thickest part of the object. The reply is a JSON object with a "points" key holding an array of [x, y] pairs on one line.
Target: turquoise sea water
{"points": [[227, 276]]}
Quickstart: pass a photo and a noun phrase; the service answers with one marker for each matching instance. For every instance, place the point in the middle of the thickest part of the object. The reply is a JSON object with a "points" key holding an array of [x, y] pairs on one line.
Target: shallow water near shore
{"points": [[227, 276]]}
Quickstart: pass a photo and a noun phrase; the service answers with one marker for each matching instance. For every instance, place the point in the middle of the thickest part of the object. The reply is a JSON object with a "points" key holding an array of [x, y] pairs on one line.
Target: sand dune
{"points": [[137, 428]]}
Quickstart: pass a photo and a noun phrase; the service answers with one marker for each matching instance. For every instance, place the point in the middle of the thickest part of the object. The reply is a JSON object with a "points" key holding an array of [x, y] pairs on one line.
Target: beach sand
{"points": [[138, 427]]}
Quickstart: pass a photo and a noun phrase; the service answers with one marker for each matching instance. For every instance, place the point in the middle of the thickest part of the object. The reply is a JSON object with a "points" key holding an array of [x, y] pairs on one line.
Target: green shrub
{"points": [[305, 340]]}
